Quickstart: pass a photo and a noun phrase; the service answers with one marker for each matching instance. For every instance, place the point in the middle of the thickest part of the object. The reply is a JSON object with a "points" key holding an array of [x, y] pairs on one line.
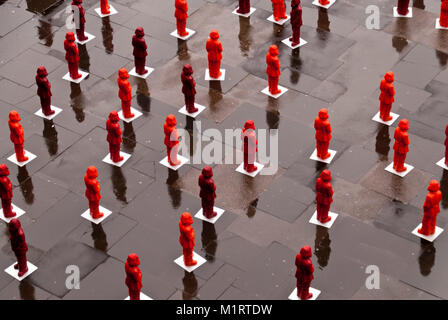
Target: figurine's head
{"points": [[187, 70], [207, 172], [433, 186], [113, 116], [14, 225], [249, 125], [14, 116], [4, 171], [140, 32], [70, 36], [214, 35], [186, 219], [305, 252], [171, 120], [323, 114], [295, 3], [326, 175], [123, 73], [133, 260], [42, 72], [389, 76], [91, 172], [273, 50], [404, 125]]}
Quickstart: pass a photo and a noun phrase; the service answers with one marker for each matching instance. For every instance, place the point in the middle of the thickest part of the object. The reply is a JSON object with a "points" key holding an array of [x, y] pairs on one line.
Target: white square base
{"points": [[388, 123], [57, 110], [183, 161], [180, 261], [219, 211], [19, 212], [175, 34], [83, 76], [125, 156], [442, 164], [142, 297], [430, 238], [438, 26], [279, 22], [289, 43], [397, 15], [111, 9], [86, 215], [135, 74], [28, 154], [401, 174], [221, 78], [327, 161], [183, 110], [316, 3], [246, 15], [14, 272], [315, 292], [275, 96], [240, 169], [328, 225], [89, 38], [128, 120]]}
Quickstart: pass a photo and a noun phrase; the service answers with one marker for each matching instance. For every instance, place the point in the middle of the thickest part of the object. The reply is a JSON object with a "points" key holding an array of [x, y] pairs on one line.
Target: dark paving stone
{"points": [[13, 93], [11, 17], [23, 290], [298, 81], [217, 284], [416, 75], [233, 76]]}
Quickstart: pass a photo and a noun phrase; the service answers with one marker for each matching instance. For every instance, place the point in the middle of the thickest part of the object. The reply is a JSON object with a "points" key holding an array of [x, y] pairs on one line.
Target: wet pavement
{"points": [[250, 251]]}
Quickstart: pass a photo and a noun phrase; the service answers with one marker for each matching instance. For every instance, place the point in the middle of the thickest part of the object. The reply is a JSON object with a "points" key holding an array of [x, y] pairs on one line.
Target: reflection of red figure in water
{"points": [[114, 136], [214, 49], [278, 8], [93, 192], [207, 193], [444, 14], [171, 140], [401, 145], [140, 53], [249, 146], [323, 134], [304, 273], [273, 69], [82, 20], [244, 7], [403, 7], [133, 276], [125, 92], [387, 96], [105, 7], [181, 16], [324, 196], [431, 209], [188, 88], [72, 55], [6, 192], [446, 146], [186, 238], [44, 91], [18, 246], [296, 22], [16, 135]]}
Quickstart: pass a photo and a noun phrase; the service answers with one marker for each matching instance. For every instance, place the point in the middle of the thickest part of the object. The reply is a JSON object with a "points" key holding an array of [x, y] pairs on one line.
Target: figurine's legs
{"points": [[80, 33], [214, 67], [401, 158], [46, 106], [443, 20], [295, 39], [244, 7], [446, 156], [189, 103], [21, 264], [20, 152], [134, 294], [304, 293], [324, 2], [181, 25], [7, 208], [273, 85], [322, 213], [126, 107], [94, 207], [322, 149], [188, 257], [282, 11], [114, 150], [172, 155], [251, 167], [426, 226], [140, 65], [299, 288], [432, 225], [73, 70], [403, 7], [105, 7], [385, 111], [207, 208]]}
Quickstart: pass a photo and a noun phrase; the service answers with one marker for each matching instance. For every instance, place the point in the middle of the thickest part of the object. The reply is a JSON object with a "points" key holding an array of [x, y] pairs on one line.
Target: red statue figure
{"points": [[171, 140], [278, 8], [401, 145], [6, 192], [139, 44], [82, 20], [44, 91], [105, 7], [324, 2], [296, 22], [181, 17], [387, 96], [207, 193], [214, 49], [304, 273], [403, 7], [444, 14], [17, 136], [114, 136], [431, 209], [93, 192], [273, 69], [249, 146], [125, 92], [188, 88], [18, 246], [446, 146], [244, 7], [324, 196], [186, 238], [72, 55], [133, 276], [323, 134]]}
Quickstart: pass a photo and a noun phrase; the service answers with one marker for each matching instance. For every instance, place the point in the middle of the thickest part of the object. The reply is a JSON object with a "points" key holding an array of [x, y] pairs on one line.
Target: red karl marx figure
{"points": [[444, 14], [323, 134], [181, 16], [401, 145], [214, 49], [304, 273], [105, 7], [72, 55], [114, 136], [140, 53], [273, 69], [93, 192], [82, 20], [6, 192], [387, 96], [278, 8], [125, 92], [186, 238], [249, 146], [171, 140], [207, 193], [188, 88], [296, 22], [17, 136], [244, 7], [446, 146], [324, 196], [44, 91], [18, 246], [431, 209], [403, 7], [133, 276]]}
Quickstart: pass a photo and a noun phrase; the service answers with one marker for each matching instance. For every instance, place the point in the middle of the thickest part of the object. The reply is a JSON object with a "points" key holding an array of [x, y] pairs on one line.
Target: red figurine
{"points": [[82, 20], [446, 146], [444, 14], [431, 209], [171, 140], [181, 17], [273, 69], [188, 88], [17, 136], [186, 238], [323, 134], [403, 7], [18, 246], [296, 22], [133, 276], [125, 92], [244, 7], [72, 55], [214, 49], [278, 8], [93, 192], [114, 136], [249, 146], [304, 273], [105, 7], [401, 145], [139, 44], [6, 192], [324, 2], [387, 96], [324, 196], [44, 91], [207, 193]]}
